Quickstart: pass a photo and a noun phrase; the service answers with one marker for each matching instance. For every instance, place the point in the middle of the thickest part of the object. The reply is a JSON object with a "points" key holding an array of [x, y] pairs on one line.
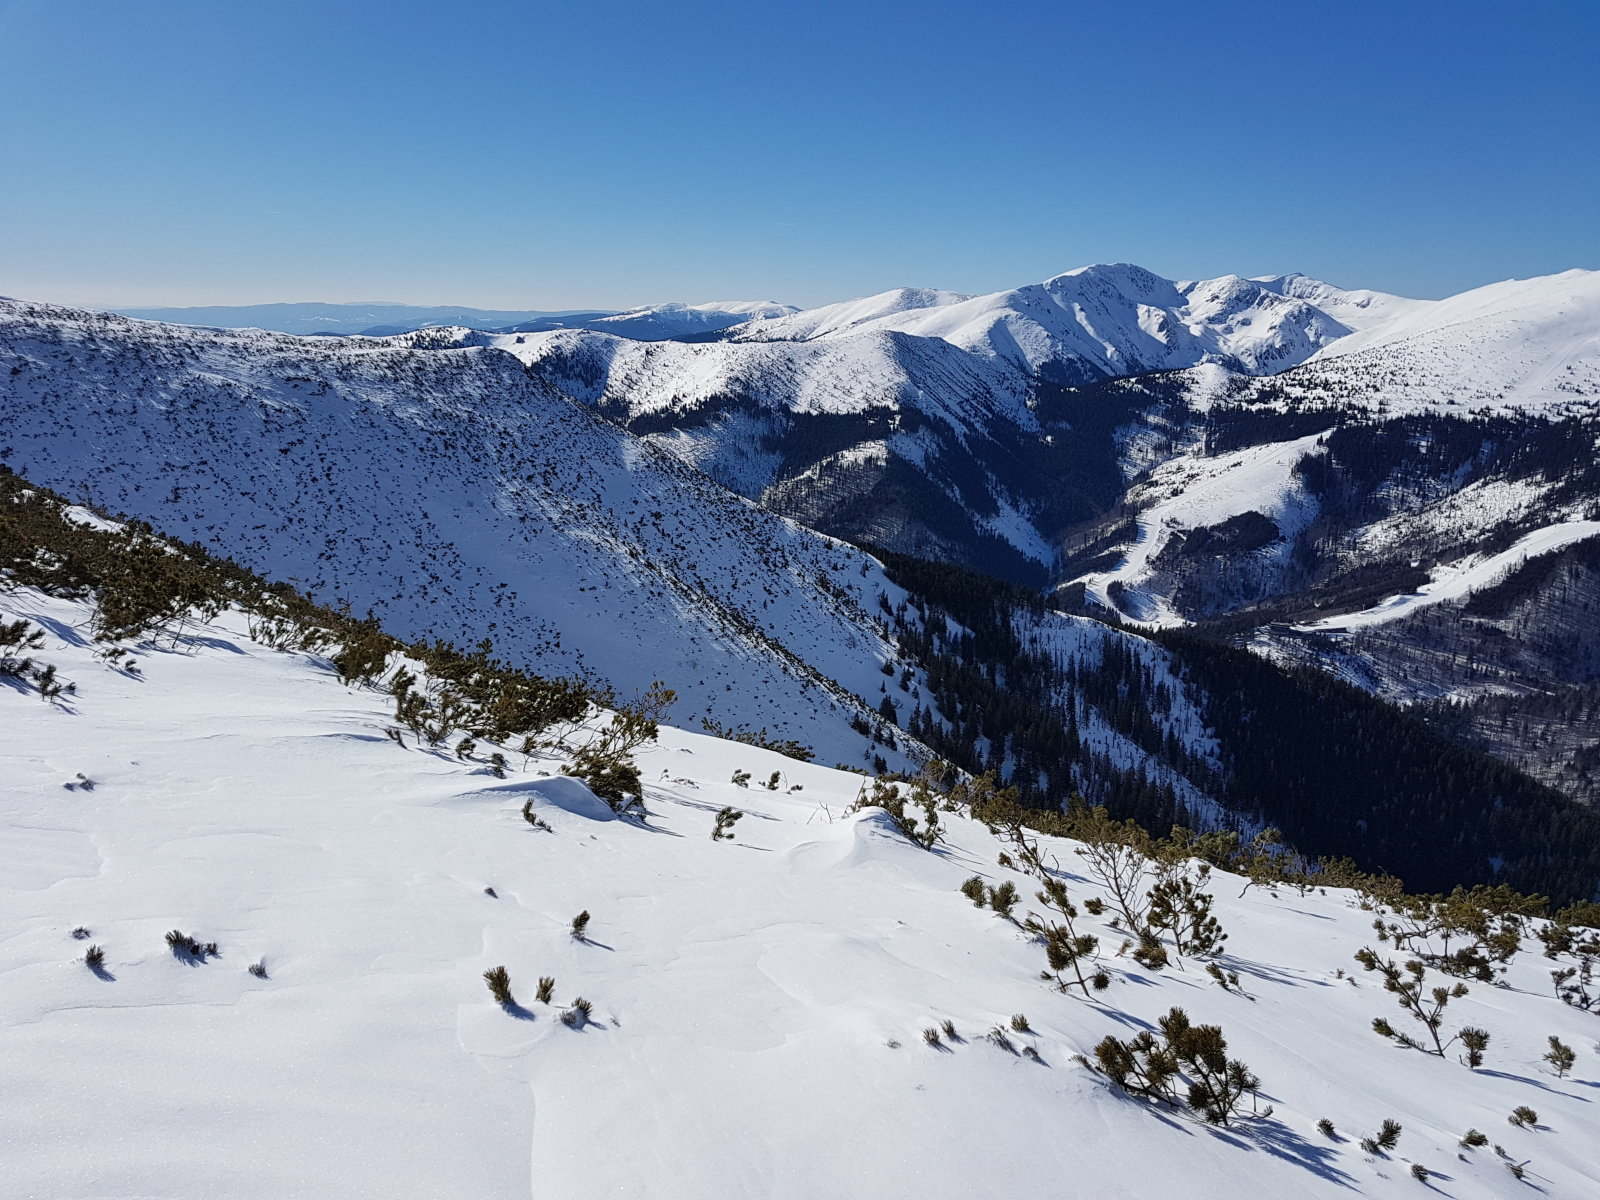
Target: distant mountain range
{"points": [[1402, 493], [379, 319]]}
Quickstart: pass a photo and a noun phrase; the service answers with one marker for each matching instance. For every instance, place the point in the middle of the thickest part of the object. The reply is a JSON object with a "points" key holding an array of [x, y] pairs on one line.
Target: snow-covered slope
{"points": [[455, 497], [1358, 309], [1526, 345], [1095, 322], [917, 426], [758, 1004]]}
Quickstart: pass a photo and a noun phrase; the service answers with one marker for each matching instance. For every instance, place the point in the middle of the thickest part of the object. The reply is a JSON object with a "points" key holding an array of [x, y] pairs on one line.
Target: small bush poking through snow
{"points": [[183, 945], [536, 821], [1523, 1116], [974, 890], [1003, 898], [1019, 1022], [998, 1037], [949, 1029], [1560, 1057], [547, 988], [258, 969], [499, 981], [931, 1036], [1418, 1171], [723, 829], [80, 933], [1388, 1134], [1472, 1138], [1146, 1067], [1326, 1129], [578, 1014], [94, 958], [580, 925]]}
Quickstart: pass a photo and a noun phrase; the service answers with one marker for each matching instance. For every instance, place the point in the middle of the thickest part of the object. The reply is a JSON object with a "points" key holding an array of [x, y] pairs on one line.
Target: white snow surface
{"points": [[1094, 322], [1530, 345], [455, 498], [1192, 492], [757, 1004], [1458, 580]]}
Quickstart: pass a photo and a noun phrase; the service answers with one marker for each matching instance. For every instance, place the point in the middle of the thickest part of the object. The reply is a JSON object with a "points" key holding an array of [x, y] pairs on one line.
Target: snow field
{"points": [[746, 993]]}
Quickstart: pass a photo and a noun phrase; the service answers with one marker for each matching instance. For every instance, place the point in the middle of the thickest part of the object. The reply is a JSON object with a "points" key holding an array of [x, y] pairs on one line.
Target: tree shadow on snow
{"points": [[1280, 1141], [61, 629], [1538, 1083]]}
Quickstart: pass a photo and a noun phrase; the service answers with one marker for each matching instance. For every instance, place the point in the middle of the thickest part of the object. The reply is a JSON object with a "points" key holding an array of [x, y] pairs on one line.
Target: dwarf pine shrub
{"points": [[930, 1035], [1560, 1056], [1418, 1171], [258, 969], [578, 1013], [1407, 986], [975, 890], [949, 1029], [1003, 898], [1472, 1139], [94, 958], [1388, 1135], [723, 829], [1182, 909], [547, 988], [1523, 1116], [1019, 1022], [580, 925], [1326, 1129], [1476, 1042], [1145, 1066], [499, 981]]}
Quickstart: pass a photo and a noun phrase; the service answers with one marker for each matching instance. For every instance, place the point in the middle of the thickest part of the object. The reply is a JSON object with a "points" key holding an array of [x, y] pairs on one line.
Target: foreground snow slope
{"points": [[757, 1003]]}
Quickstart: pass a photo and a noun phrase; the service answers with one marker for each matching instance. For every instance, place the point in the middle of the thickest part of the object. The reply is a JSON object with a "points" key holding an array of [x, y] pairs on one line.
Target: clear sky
{"points": [[524, 154]]}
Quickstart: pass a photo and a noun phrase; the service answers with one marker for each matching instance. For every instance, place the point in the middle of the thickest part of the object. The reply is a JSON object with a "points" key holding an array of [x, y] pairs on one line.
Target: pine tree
{"points": [[1560, 1057]]}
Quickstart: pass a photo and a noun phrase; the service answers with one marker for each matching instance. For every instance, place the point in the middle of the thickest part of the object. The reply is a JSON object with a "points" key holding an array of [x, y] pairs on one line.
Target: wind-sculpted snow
{"points": [[757, 1004], [454, 497]]}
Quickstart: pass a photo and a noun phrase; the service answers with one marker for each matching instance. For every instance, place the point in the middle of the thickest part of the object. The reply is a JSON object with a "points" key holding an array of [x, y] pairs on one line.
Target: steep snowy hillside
{"points": [[1092, 323], [929, 422], [1413, 510], [456, 498], [754, 1008], [898, 440]]}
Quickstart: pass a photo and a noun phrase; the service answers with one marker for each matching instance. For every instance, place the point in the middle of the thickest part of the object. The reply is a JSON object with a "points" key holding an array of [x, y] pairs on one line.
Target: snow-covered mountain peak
{"points": [[1092, 322], [1357, 309]]}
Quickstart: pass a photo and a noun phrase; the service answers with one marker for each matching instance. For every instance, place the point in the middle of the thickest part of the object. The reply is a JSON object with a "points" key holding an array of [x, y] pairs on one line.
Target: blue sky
{"points": [[516, 153]]}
